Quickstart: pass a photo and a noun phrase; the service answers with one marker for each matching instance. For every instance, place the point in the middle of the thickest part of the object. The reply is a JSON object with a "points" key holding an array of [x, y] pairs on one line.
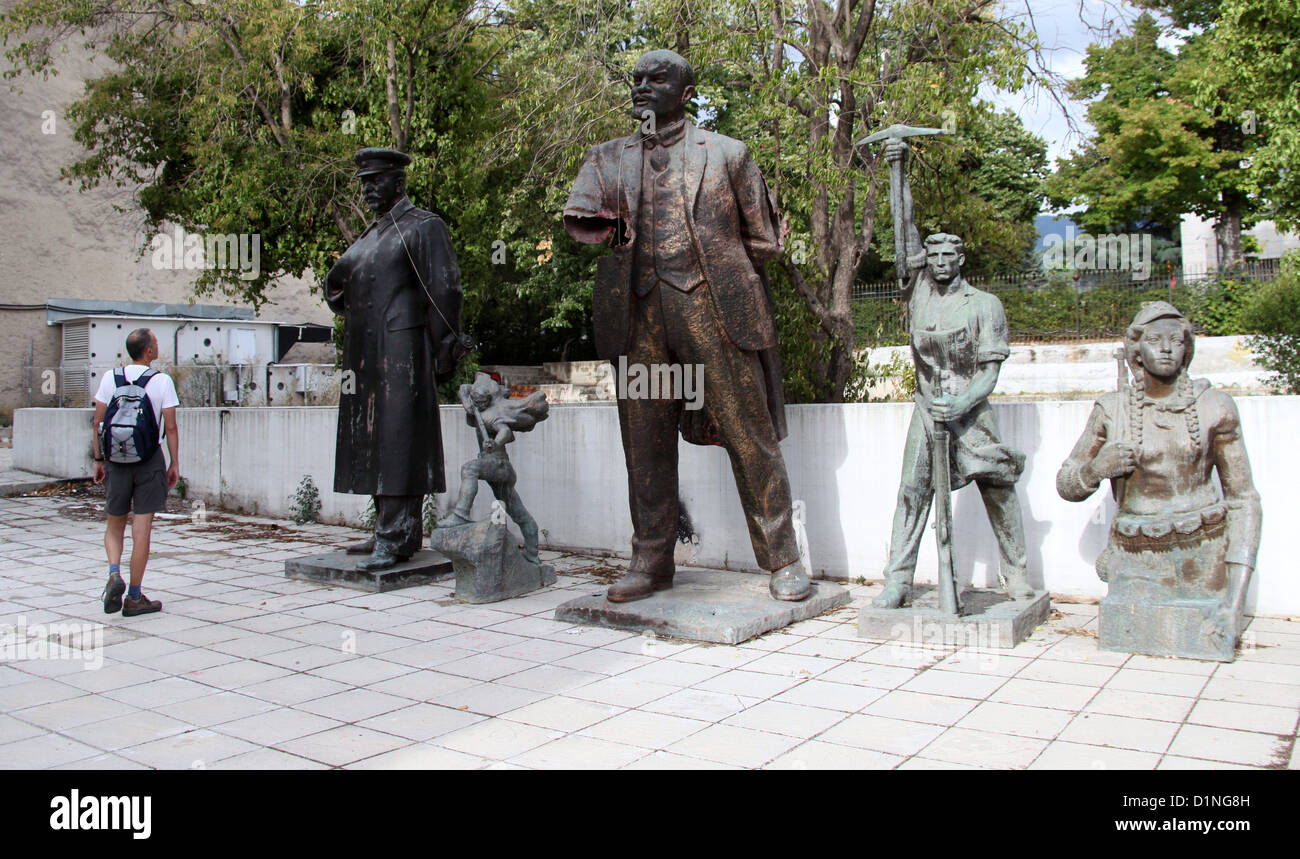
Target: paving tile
{"points": [[794, 720], [742, 747], [362, 671], [698, 704], [101, 762], [563, 714], [984, 749], [831, 696], [485, 666], [667, 761], [1040, 723], [1174, 762], [581, 753], [786, 664], [895, 736], [1172, 664], [70, 712], [1062, 755], [35, 692], [421, 722], [550, 678], [720, 656], [428, 654], [421, 757], [1123, 732], [1139, 705], [238, 675], [198, 749], [15, 729], [818, 755], [305, 658], [749, 684], [254, 646], [646, 730], [985, 661], [1248, 692], [919, 762], [423, 685], [673, 673], [1077, 673], [1245, 717], [1157, 682], [341, 746], [1236, 747], [488, 699], [267, 759], [214, 709], [603, 661], [1260, 672], [915, 706], [1083, 648], [497, 739], [354, 705], [957, 684], [1040, 693], [869, 674], [622, 692], [40, 752], [291, 689], [276, 726], [157, 693], [830, 648], [130, 730]]}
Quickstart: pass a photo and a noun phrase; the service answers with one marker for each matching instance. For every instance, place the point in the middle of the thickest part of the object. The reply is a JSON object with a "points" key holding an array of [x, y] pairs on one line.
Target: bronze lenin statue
{"points": [[691, 224], [398, 287]]}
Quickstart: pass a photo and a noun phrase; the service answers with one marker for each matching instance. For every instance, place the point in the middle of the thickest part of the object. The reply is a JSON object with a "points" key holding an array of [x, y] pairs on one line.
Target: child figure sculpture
{"points": [[495, 419]]}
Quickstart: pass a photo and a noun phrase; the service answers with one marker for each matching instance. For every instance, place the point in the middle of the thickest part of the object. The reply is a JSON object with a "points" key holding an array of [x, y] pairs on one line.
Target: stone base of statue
{"points": [[990, 619], [705, 605], [489, 565], [340, 568], [1174, 628]]}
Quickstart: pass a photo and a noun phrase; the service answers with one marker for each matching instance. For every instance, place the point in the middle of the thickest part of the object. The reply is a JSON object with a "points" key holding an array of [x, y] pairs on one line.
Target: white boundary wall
{"points": [[844, 462]]}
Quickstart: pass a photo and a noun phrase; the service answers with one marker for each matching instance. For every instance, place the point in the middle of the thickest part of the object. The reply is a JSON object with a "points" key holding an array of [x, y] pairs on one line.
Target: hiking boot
{"points": [[144, 605], [113, 593]]}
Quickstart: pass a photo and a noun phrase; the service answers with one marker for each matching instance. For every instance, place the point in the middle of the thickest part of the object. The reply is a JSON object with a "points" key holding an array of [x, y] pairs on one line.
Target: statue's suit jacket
{"points": [[735, 228]]}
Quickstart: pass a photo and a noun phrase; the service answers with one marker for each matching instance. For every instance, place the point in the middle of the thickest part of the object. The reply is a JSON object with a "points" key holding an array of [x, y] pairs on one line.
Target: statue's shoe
{"points": [[636, 586], [790, 583], [364, 547], [378, 560], [895, 595]]}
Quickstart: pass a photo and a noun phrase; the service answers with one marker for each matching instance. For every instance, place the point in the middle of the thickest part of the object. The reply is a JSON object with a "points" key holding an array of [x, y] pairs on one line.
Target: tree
{"points": [[1259, 40], [1167, 139]]}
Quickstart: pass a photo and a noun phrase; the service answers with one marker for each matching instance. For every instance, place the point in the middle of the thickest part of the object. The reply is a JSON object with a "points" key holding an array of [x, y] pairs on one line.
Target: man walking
{"points": [[140, 485]]}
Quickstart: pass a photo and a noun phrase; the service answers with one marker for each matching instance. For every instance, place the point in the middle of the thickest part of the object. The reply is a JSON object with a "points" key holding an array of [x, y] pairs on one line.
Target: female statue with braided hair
{"points": [[1183, 543]]}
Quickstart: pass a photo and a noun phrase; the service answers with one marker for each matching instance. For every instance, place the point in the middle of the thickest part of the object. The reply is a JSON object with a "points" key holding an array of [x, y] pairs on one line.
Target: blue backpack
{"points": [[129, 434]]}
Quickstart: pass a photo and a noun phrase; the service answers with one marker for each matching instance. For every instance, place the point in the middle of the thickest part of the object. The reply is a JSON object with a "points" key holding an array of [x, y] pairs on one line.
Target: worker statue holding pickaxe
{"points": [[959, 341]]}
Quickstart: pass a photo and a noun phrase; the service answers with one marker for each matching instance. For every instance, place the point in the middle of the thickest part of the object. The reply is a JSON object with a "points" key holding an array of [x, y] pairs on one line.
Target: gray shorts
{"points": [[141, 487]]}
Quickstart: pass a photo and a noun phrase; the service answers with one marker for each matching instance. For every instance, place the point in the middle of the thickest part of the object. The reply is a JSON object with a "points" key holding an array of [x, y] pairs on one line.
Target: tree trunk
{"points": [[1227, 229]]}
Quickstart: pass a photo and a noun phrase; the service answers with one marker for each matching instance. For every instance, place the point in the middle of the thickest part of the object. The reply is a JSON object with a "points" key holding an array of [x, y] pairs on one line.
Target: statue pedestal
{"points": [[1172, 628], [705, 605], [489, 566], [340, 568], [991, 620]]}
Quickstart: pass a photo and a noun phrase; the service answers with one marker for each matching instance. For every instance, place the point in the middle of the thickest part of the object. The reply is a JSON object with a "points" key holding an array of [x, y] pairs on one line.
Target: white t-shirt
{"points": [[161, 391]]}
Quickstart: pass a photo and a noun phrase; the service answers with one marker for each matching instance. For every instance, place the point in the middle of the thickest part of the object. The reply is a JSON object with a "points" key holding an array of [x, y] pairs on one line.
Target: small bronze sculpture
{"points": [[495, 419], [959, 341], [1182, 547], [691, 223], [398, 287]]}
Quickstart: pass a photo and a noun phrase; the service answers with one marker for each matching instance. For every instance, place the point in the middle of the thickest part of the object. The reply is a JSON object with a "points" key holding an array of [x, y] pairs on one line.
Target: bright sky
{"points": [[1065, 28]]}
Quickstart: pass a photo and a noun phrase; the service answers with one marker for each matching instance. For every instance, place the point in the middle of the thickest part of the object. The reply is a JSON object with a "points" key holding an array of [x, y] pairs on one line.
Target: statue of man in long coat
{"points": [[398, 287]]}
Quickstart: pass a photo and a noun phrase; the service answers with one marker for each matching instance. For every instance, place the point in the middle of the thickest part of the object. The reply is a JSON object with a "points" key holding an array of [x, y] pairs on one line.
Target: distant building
{"points": [[1201, 249]]}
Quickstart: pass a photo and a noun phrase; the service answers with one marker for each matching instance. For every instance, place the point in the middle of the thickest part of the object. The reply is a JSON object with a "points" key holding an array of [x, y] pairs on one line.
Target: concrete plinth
{"points": [[990, 619], [340, 568], [489, 566], [705, 605], [1163, 629]]}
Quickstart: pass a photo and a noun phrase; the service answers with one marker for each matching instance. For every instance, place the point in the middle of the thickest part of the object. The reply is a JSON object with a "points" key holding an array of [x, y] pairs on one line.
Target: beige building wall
{"points": [[62, 243]]}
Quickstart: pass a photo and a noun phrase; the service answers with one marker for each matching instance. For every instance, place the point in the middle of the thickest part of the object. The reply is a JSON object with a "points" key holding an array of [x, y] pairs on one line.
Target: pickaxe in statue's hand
{"points": [[900, 195]]}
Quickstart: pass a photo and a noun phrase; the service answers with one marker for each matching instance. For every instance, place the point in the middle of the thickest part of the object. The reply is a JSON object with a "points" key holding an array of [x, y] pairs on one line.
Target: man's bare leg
{"points": [[141, 529], [114, 535]]}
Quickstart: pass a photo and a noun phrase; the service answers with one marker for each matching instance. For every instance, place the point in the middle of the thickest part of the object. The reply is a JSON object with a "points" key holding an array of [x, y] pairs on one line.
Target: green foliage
{"points": [[367, 522], [898, 370], [1274, 312], [429, 514], [1259, 42], [182, 488], [304, 504], [449, 391]]}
